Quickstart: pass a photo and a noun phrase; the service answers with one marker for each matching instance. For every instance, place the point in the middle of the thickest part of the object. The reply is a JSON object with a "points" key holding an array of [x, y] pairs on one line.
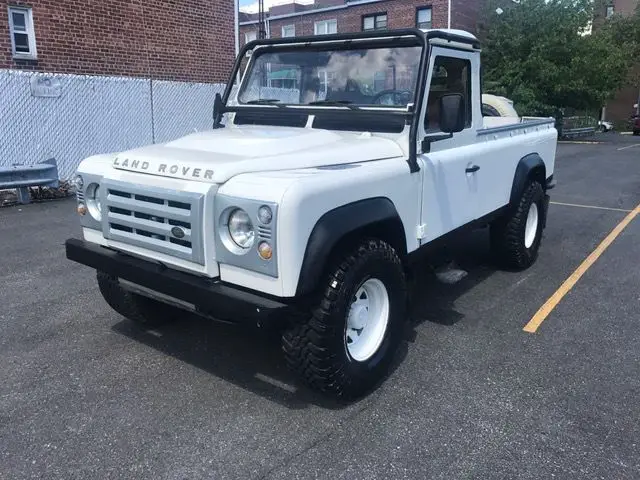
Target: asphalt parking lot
{"points": [[84, 394]]}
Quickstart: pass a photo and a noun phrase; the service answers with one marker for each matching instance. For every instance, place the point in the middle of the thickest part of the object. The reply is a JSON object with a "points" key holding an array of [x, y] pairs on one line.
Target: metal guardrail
{"points": [[21, 177], [577, 132]]}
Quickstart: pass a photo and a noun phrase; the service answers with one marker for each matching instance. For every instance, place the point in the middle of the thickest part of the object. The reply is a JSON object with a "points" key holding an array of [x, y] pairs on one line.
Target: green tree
{"points": [[545, 56]]}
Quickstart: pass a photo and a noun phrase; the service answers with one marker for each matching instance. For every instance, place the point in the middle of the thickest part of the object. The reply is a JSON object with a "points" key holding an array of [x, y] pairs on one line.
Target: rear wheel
{"points": [[515, 238], [137, 308], [348, 342]]}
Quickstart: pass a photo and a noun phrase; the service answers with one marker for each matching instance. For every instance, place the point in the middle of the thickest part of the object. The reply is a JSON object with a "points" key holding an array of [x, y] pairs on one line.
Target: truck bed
{"points": [[505, 124]]}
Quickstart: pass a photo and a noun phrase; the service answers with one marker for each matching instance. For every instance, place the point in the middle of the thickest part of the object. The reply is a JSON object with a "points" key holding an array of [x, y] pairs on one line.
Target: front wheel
{"points": [[516, 238], [347, 344]]}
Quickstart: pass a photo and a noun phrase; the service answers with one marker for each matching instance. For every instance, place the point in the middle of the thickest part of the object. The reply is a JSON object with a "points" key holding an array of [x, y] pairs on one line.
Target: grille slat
{"points": [[159, 228], [159, 244], [148, 208], [153, 218]]}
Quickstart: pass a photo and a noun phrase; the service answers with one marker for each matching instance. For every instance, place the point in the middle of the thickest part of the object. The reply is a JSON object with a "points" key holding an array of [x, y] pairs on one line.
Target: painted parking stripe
{"points": [[591, 206], [568, 284], [629, 146]]}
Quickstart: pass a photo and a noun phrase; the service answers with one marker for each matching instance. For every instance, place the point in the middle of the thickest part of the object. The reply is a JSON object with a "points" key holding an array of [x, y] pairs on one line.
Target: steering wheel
{"points": [[403, 95]]}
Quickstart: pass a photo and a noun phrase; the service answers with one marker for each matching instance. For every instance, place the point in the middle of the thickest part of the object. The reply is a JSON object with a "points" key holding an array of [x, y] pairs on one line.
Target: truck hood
{"points": [[216, 156]]}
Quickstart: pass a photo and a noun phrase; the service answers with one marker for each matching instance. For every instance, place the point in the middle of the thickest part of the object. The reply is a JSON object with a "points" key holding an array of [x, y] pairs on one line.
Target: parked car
{"points": [[313, 212], [636, 124], [605, 126]]}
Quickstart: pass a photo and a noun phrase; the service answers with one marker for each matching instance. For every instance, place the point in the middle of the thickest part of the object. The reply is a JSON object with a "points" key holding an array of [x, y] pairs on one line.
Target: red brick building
{"points": [[623, 105], [160, 39], [331, 16]]}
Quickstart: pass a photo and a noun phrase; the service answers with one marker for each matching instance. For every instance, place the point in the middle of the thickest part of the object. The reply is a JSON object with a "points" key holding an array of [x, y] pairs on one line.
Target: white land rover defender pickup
{"points": [[330, 163]]}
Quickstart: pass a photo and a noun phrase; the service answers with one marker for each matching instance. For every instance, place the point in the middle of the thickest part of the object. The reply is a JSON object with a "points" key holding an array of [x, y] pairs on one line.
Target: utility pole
{"points": [[262, 33]]}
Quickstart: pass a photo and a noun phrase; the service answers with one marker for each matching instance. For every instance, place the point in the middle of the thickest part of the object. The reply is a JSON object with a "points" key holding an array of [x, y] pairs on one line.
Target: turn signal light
{"points": [[82, 209], [265, 251]]}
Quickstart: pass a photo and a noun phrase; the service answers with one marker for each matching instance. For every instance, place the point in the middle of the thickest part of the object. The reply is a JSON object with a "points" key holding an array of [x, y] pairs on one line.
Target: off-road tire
{"points": [[508, 232], [141, 310], [315, 346]]}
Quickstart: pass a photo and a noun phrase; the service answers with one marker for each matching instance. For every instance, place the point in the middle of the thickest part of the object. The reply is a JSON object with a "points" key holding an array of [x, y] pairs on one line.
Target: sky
{"points": [[251, 6]]}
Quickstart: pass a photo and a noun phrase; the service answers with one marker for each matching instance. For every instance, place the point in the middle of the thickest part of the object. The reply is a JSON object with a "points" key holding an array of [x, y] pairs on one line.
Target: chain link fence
{"points": [[70, 117]]}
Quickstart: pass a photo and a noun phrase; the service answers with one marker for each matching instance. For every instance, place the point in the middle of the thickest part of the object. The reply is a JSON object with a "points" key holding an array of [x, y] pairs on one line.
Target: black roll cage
{"points": [[377, 38]]}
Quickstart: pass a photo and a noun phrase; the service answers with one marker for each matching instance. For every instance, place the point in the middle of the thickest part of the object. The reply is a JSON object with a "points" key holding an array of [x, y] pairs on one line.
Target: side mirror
{"points": [[452, 113]]}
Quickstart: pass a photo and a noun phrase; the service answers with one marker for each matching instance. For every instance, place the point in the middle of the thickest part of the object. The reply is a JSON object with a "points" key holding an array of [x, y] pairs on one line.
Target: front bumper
{"points": [[211, 297]]}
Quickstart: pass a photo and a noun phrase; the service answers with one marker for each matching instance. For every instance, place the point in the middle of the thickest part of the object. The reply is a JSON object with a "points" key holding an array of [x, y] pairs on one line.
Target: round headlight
{"points": [[78, 182], [241, 228], [265, 215], [93, 201]]}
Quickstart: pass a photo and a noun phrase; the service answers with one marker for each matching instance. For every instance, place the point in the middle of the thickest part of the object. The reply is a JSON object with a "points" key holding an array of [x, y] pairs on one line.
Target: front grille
{"points": [[166, 221]]}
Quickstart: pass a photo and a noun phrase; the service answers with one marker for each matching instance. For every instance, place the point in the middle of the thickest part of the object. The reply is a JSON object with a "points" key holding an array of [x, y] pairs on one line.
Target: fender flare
{"points": [[530, 167], [373, 215]]}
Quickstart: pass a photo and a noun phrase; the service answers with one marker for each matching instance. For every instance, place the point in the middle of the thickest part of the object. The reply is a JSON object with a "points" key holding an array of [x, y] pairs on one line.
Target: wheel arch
{"points": [[530, 167], [344, 226]]}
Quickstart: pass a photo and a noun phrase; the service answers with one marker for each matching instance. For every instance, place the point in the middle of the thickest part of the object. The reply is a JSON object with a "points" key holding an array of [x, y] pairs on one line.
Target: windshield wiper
{"points": [[265, 101], [334, 103]]}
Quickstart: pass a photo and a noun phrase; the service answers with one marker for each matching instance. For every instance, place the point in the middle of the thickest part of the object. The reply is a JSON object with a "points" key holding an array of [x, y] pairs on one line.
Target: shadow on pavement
{"points": [[252, 359], [434, 301], [248, 358]]}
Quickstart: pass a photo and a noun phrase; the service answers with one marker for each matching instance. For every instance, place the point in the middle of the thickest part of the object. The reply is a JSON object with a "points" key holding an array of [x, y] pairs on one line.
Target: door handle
{"points": [[472, 169]]}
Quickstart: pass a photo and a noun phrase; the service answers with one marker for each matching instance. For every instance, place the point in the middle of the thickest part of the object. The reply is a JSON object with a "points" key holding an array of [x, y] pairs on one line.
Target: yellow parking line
{"points": [[568, 284], [590, 206]]}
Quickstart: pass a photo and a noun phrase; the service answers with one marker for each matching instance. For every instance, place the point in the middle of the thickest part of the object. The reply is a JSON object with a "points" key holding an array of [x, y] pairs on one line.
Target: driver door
{"points": [[450, 184]]}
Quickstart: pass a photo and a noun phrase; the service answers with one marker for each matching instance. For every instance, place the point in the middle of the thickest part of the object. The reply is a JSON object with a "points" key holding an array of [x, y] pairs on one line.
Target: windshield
{"points": [[371, 76]]}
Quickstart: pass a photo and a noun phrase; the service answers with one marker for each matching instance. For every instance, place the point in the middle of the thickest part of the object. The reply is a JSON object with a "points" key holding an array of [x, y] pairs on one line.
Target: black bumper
{"points": [[211, 297]]}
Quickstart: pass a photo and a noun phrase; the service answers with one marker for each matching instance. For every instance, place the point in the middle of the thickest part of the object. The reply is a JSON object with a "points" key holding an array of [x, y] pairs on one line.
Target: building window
{"points": [[379, 81], [325, 27], [610, 10], [374, 22], [423, 17], [250, 37], [23, 36], [288, 31]]}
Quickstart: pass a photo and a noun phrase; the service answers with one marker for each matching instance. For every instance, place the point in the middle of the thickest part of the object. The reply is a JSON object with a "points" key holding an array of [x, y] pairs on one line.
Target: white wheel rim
{"points": [[368, 319], [532, 226]]}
